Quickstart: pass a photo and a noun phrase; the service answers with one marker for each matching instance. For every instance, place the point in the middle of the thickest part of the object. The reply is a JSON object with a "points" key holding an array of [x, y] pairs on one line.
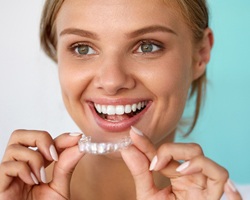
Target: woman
{"points": [[126, 69]]}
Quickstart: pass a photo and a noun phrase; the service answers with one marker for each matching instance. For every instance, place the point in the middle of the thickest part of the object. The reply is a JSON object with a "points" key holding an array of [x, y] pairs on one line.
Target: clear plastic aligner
{"points": [[85, 145]]}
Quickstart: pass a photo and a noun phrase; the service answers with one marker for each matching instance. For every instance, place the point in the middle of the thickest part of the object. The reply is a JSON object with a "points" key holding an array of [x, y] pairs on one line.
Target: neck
{"points": [[101, 177]]}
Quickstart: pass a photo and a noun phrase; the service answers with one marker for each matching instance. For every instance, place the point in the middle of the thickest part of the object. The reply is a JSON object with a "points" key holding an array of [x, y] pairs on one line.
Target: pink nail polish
{"points": [[153, 163], [34, 178], [136, 131], [231, 185], [43, 175], [53, 153], [183, 166], [75, 134]]}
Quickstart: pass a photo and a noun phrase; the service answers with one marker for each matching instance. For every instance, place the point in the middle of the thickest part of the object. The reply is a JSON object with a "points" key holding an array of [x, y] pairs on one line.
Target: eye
{"points": [[83, 49], [148, 47]]}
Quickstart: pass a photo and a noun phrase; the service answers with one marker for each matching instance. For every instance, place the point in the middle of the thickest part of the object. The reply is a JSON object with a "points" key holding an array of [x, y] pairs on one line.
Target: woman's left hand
{"points": [[197, 178]]}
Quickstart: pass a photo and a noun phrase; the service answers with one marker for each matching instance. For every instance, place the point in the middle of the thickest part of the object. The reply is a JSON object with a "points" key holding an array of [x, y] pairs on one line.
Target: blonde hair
{"points": [[195, 13], [48, 38]]}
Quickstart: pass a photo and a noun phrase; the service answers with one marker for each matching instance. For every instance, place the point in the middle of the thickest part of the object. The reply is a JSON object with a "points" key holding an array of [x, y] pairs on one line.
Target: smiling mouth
{"points": [[118, 113]]}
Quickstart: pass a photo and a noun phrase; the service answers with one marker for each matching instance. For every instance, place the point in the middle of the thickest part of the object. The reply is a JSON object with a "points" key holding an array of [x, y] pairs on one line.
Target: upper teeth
{"points": [[119, 109]]}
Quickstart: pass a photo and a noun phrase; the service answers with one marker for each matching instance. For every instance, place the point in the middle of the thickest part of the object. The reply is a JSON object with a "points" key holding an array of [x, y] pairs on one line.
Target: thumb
{"points": [[68, 159], [138, 165]]}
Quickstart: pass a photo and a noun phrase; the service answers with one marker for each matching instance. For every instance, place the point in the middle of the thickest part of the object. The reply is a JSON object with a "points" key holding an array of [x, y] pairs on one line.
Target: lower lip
{"points": [[117, 126]]}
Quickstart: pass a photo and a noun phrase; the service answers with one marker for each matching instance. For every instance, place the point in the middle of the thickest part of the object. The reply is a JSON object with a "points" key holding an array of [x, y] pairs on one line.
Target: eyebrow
{"points": [[150, 29], [79, 32], [136, 33]]}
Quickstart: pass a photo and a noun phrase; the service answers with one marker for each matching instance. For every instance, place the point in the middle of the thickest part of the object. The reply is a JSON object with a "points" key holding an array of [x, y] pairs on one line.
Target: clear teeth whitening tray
{"points": [[85, 145]]}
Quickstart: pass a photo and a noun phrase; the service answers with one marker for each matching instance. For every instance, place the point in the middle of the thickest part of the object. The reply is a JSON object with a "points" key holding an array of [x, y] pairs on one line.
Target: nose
{"points": [[114, 76]]}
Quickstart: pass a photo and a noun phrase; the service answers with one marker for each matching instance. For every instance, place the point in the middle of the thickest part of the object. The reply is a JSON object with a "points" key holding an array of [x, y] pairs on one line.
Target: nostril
{"points": [[113, 80]]}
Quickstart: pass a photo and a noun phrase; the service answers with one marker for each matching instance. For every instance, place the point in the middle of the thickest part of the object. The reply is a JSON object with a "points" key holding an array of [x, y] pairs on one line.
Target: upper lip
{"points": [[114, 102]]}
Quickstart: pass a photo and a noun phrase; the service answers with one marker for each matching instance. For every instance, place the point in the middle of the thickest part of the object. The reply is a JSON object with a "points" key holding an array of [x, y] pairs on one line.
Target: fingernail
{"points": [[53, 152], [183, 166], [34, 178], [43, 175], [75, 134], [136, 131], [231, 185], [153, 163]]}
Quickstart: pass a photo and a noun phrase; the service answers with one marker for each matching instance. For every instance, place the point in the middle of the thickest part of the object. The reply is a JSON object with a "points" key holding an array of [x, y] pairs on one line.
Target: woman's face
{"points": [[124, 63]]}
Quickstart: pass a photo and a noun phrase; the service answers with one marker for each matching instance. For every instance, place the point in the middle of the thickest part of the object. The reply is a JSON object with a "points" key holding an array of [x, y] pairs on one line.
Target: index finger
{"points": [[33, 138], [146, 146], [142, 143], [216, 175]]}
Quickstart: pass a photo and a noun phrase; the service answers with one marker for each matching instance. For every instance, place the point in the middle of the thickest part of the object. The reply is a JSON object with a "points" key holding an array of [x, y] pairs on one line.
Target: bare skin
{"points": [[125, 56], [203, 178]]}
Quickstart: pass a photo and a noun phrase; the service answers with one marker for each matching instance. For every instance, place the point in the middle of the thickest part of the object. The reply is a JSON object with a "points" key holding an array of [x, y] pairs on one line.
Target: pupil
{"points": [[83, 49], [147, 47]]}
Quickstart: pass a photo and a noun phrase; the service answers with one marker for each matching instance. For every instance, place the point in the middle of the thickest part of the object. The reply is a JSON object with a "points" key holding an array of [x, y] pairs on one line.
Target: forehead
{"points": [[120, 14]]}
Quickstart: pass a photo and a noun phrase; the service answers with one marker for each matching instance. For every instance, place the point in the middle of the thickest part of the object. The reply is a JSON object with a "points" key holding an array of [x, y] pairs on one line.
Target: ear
{"points": [[203, 53]]}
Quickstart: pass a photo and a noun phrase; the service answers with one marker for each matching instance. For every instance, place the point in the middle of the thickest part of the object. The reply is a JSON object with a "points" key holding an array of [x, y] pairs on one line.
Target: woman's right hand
{"points": [[22, 170]]}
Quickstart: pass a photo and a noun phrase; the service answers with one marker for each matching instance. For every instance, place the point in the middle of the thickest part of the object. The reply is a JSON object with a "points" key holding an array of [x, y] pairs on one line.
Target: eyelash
{"points": [[156, 49], [73, 49], [157, 45]]}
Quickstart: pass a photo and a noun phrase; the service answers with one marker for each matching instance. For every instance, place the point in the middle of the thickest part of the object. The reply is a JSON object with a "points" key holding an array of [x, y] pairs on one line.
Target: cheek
{"points": [[70, 74], [172, 78], [73, 80], [170, 90]]}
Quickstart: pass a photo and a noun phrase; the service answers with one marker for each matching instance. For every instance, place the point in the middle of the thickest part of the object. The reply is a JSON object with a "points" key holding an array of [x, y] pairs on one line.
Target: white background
{"points": [[30, 93]]}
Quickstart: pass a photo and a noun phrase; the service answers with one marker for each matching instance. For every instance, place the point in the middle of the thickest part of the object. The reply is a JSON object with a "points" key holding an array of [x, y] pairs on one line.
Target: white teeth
{"points": [[134, 106], [139, 106], [104, 109], [128, 108], [111, 110], [142, 104], [98, 108], [119, 109]]}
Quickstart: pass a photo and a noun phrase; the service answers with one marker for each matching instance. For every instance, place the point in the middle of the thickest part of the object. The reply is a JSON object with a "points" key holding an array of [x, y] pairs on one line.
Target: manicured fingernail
{"points": [[136, 131], [34, 178], [75, 134], [231, 185], [43, 175], [183, 166], [53, 152], [153, 163]]}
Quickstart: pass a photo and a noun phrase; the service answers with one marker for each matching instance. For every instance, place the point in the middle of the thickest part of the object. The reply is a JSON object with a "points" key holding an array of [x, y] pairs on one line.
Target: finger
{"points": [[68, 159], [66, 140], [231, 191], [142, 143], [176, 151], [34, 159], [169, 153], [147, 147], [216, 174], [138, 164], [40, 139], [14, 169]]}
